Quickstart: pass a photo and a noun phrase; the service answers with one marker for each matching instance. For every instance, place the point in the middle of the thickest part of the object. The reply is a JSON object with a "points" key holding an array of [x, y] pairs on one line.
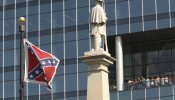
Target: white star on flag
{"points": [[49, 62], [31, 76], [53, 62], [37, 72], [43, 62]]}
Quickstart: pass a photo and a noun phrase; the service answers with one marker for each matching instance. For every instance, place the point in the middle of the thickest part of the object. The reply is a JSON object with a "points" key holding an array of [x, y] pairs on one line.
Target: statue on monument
{"points": [[97, 20]]}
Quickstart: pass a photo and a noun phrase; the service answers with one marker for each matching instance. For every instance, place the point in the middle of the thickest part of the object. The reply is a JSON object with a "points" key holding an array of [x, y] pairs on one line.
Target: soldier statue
{"points": [[97, 20]]}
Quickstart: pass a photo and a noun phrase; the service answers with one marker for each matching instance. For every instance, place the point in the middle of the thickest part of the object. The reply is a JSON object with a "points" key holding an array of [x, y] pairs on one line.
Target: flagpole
{"points": [[21, 30]]}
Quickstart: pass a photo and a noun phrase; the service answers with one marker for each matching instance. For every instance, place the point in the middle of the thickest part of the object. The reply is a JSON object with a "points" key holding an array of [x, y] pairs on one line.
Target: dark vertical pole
{"points": [[21, 66], [21, 30]]}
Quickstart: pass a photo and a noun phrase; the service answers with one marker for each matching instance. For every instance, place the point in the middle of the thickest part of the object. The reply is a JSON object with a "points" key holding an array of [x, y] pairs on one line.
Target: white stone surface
{"points": [[98, 81]]}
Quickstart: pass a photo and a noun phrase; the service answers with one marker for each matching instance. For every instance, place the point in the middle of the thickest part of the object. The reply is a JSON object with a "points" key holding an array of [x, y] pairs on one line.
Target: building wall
{"points": [[61, 28], [159, 93]]}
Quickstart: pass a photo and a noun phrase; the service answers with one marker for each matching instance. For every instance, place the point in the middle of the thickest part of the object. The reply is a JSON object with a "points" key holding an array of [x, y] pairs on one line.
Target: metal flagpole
{"points": [[21, 30]]}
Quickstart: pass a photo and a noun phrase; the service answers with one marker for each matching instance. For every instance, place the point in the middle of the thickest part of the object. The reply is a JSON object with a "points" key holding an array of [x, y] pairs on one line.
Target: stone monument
{"points": [[98, 59], [97, 20]]}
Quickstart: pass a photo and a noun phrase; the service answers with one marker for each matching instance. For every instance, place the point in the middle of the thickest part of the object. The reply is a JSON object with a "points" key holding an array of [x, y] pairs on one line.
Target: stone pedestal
{"points": [[98, 82]]}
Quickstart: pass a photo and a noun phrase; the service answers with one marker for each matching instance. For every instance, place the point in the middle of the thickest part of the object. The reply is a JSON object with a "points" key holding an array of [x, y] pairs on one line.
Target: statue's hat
{"points": [[100, 0]]}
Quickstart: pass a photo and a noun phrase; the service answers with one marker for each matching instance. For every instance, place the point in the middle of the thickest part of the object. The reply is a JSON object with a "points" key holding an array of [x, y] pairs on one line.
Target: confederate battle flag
{"points": [[40, 66]]}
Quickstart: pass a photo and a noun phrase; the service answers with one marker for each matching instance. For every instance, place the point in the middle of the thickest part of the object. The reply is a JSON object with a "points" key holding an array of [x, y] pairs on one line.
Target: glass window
{"points": [[138, 71], [162, 6], [71, 98], [136, 8], [127, 55], [136, 27], [172, 2], [58, 84], [33, 9], [8, 76], [70, 4], [9, 27], [82, 3], [128, 71], [33, 23], [45, 39], [1, 28], [57, 6], [82, 47], [17, 56], [173, 51], [152, 57], [163, 23], [8, 58], [122, 10], [0, 60], [165, 52], [110, 11], [1, 16], [92, 3], [83, 34], [121, 29], [113, 96], [152, 93], [72, 68], [150, 25], [57, 38], [57, 19], [33, 39], [71, 82], [165, 67], [9, 44], [1, 89], [44, 90], [9, 89], [46, 48], [149, 59], [17, 87], [83, 15], [172, 22], [57, 50], [9, 14], [125, 95], [166, 91], [82, 81], [82, 67], [167, 98], [19, 1], [138, 94], [70, 17], [7, 2], [137, 58], [20, 12], [45, 21], [152, 69], [83, 97], [71, 36], [70, 49], [149, 7], [45, 8], [111, 30], [33, 89], [1, 2]]}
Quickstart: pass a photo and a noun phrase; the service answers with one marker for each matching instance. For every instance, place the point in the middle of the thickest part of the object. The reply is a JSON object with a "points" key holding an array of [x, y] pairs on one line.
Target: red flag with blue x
{"points": [[40, 65]]}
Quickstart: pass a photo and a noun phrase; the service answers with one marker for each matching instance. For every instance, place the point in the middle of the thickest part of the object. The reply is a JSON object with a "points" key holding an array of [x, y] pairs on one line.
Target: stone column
{"points": [[98, 82], [119, 63]]}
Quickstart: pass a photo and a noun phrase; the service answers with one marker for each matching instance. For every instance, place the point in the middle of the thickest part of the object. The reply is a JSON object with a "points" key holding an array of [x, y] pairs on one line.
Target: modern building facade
{"points": [[141, 35]]}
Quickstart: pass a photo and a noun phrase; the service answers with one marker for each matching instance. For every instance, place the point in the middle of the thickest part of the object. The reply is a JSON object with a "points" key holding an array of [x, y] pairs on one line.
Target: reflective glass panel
{"points": [[122, 10], [136, 8]]}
